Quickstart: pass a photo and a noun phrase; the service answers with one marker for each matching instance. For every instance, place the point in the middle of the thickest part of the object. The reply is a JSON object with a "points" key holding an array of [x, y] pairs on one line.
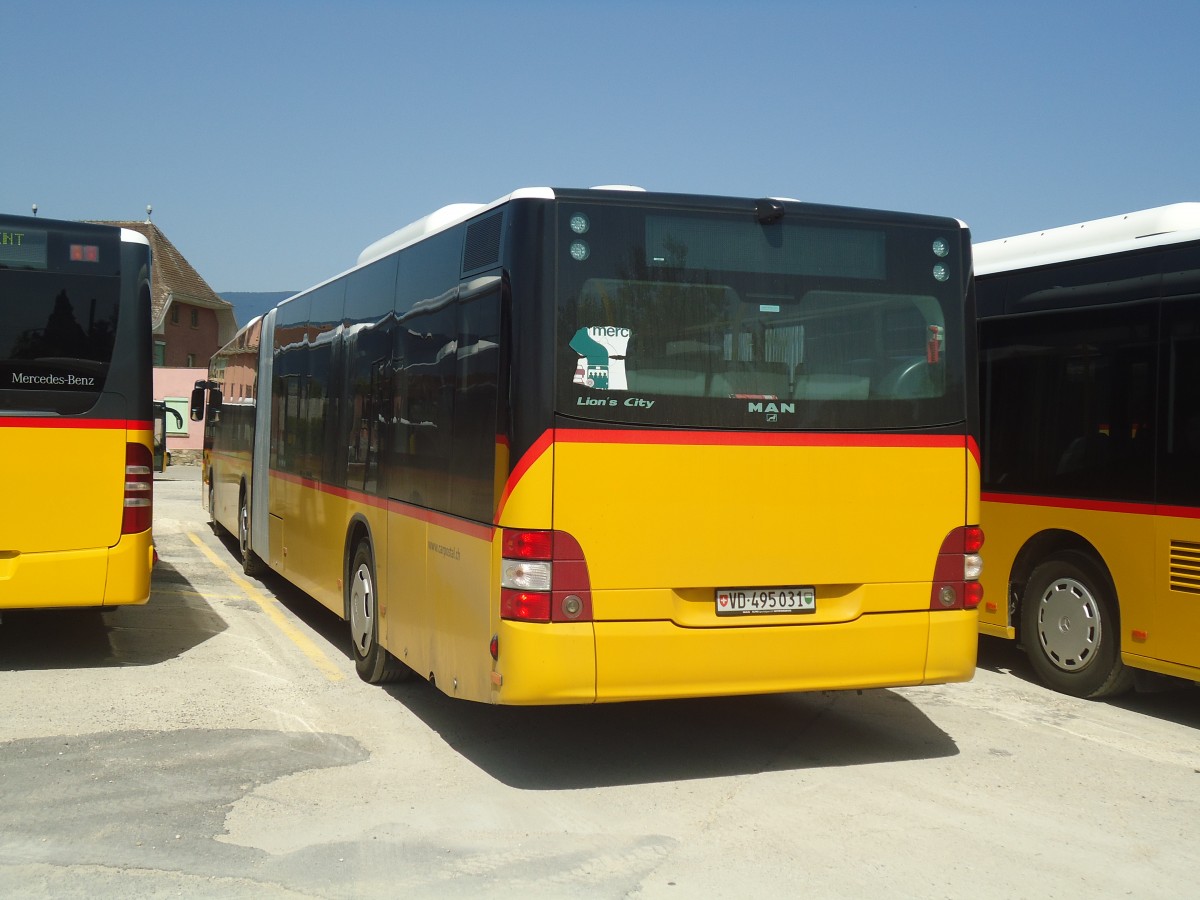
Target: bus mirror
{"points": [[214, 399], [197, 405]]}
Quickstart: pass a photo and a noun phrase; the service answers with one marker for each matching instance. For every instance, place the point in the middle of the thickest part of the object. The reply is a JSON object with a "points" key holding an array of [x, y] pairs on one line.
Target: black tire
{"points": [[374, 664], [251, 564], [1070, 627]]}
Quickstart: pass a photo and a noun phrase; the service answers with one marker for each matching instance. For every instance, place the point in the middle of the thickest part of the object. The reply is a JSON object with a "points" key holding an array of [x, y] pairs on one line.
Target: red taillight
{"points": [[956, 572], [525, 606], [972, 539], [544, 578], [139, 489], [973, 596], [528, 544]]}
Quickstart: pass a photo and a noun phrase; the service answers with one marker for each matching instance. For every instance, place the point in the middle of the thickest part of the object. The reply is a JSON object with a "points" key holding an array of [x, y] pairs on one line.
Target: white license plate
{"points": [[748, 601]]}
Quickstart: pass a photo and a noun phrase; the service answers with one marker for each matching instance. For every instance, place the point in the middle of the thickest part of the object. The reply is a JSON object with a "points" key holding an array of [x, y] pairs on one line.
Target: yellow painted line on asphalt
{"points": [[294, 634], [187, 592]]}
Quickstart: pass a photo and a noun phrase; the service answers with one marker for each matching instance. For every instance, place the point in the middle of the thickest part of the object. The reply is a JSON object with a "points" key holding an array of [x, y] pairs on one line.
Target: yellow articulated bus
{"points": [[1090, 379], [598, 445], [76, 433]]}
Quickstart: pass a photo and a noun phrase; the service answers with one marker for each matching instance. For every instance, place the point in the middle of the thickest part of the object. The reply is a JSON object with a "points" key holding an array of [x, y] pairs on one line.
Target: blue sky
{"points": [[276, 140]]}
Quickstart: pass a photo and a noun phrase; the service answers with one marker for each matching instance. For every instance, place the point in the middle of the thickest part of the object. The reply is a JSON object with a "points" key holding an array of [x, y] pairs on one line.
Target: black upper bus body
{"points": [[401, 377], [65, 315], [1094, 368]]}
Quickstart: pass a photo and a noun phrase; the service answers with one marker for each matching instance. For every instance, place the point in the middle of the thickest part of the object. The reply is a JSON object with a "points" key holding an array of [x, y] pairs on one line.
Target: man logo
{"points": [[770, 408]]}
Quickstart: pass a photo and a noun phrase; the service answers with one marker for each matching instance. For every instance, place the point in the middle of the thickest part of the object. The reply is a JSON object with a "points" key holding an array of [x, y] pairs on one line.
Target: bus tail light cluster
{"points": [[139, 489], [544, 578], [956, 573]]}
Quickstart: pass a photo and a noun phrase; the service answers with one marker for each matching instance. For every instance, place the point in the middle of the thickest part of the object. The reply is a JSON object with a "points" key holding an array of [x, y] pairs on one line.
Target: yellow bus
{"points": [[579, 446], [1090, 379], [76, 433]]}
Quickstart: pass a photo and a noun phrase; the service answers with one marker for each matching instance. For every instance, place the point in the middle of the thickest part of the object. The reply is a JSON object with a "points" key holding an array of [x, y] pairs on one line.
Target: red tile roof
{"points": [[172, 273], [173, 276]]}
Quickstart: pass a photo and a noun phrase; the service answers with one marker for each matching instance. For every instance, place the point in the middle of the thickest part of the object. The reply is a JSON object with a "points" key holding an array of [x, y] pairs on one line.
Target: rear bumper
{"points": [[107, 576], [641, 660], [619, 661]]}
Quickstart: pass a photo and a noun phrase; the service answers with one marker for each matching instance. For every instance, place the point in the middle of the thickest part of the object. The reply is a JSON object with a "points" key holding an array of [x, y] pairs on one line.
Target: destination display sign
{"points": [[25, 248]]}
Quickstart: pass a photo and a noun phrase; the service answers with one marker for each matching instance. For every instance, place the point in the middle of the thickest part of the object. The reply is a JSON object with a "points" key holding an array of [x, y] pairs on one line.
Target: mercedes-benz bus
{"points": [[76, 432]]}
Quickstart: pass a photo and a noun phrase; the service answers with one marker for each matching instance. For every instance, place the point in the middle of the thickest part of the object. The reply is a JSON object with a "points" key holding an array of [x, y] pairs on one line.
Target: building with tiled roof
{"points": [[191, 322]]}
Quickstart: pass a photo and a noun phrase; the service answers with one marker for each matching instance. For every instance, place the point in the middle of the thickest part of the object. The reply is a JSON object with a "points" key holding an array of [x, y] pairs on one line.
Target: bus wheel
{"points": [[1069, 627], [251, 564], [374, 664], [212, 509]]}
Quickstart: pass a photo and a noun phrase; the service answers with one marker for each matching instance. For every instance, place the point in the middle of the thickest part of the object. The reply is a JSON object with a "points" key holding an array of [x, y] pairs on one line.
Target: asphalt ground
{"points": [[216, 742]]}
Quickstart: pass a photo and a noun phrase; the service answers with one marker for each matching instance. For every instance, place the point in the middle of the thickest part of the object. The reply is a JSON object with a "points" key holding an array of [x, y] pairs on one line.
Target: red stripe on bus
{"points": [[648, 438], [399, 507], [528, 458], [344, 493], [724, 439], [1110, 506], [1142, 509], [757, 438], [430, 517], [59, 422]]}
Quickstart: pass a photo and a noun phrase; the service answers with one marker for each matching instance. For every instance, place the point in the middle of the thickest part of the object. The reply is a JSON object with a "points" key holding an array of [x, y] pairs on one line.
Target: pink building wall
{"points": [[176, 383]]}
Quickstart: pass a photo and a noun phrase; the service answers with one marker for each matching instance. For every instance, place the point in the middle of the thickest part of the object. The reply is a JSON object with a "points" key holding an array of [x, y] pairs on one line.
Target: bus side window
{"points": [[1179, 481]]}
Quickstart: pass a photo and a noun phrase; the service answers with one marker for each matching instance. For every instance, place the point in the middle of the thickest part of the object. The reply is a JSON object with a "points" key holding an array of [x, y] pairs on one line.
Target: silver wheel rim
{"points": [[362, 609], [1068, 624], [244, 528]]}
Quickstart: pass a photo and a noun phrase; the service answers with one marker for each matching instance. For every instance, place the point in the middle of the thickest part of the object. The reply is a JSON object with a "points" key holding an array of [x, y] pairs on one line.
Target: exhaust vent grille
{"points": [[482, 247], [1185, 567]]}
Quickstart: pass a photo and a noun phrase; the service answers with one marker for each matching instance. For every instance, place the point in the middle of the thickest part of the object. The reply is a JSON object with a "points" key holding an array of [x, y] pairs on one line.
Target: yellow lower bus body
{"points": [[60, 539], [106, 576], [662, 527], [617, 661], [1151, 553]]}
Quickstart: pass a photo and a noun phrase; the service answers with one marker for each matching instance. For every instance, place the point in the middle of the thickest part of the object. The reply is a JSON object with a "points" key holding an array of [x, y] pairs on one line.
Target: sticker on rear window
{"points": [[601, 350]]}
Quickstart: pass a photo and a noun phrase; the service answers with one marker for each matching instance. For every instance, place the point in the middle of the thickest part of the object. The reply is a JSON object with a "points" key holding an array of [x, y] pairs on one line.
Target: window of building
{"points": [[195, 318]]}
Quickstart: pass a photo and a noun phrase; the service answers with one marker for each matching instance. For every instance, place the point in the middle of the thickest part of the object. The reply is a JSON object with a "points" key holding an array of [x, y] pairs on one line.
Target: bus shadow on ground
{"points": [[607, 745], [1169, 699], [1005, 658], [176, 619], [1175, 702]]}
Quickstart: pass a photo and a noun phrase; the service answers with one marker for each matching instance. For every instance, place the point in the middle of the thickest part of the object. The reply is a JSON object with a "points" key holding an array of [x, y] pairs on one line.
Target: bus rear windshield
{"points": [[56, 339], [716, 320]]}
